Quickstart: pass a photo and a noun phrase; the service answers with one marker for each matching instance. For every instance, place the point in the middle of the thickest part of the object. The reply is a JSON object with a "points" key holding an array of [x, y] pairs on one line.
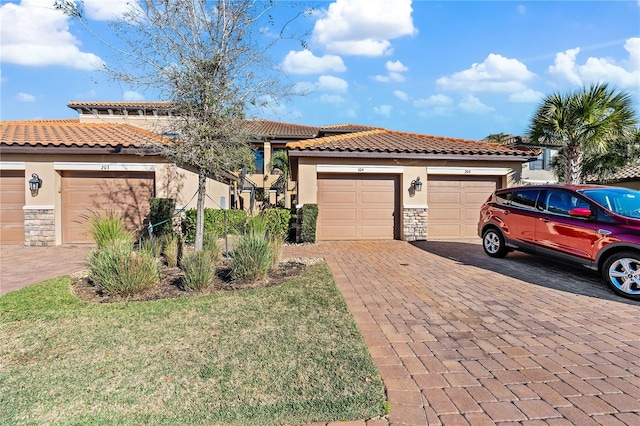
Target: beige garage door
{"points": [[12, 188], [83, 193], [357, 207], [454, 204]]}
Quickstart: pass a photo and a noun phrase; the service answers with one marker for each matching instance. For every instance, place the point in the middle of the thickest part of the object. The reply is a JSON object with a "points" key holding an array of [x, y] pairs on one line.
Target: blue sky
{"points": [[462, 69]]}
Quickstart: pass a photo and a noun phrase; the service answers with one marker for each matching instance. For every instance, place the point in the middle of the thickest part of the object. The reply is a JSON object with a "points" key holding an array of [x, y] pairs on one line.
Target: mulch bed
{"points": [[171, 286]]}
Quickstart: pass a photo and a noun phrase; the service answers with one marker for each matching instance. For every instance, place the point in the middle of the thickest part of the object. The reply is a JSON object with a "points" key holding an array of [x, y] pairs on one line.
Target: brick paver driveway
{"points": [[461, 338]]}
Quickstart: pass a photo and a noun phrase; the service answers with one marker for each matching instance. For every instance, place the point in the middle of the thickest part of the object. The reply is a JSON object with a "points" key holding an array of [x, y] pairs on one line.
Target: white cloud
{"points": [[332, 84], [131, 95], [624, 74], [433, 101], [34, 34], [363, 27], [384, 110], [526, 96], [403, 96], [395, 69], [101, 10], [305, 62], [564, 66], [495, 74], [522, 9], [473, 105], [25, 97]]}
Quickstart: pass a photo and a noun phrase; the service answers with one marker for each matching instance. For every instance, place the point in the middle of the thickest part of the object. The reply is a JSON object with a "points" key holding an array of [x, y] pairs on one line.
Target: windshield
{"points": [[623, 201]]}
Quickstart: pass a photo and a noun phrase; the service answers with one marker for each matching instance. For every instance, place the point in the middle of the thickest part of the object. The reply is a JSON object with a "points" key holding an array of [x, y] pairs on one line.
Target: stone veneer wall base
{"points": [[414, 224], [39, 227]]}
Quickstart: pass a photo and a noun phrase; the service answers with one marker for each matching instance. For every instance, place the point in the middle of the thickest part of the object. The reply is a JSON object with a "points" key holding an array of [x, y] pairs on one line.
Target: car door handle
{"points": [[604, 232], [545, 219]]}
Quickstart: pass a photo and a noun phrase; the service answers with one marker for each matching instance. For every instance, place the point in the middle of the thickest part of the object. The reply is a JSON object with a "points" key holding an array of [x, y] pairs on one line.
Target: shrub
{"points": [[251, 259], [161, 215], [309, 221], [172, 249], [277, 222], [199, 270], [107, 227], [214, 222], [117, 269], [210, 244], [253, 256]]}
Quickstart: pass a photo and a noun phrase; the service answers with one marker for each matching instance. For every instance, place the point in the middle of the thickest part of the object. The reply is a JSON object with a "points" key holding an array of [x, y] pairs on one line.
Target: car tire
{"points": [[493, 243], [621, 272]]}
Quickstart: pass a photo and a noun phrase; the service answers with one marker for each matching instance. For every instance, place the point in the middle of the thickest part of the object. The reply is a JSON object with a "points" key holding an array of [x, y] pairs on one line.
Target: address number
{"points": [[361, 169], [104, 167]]}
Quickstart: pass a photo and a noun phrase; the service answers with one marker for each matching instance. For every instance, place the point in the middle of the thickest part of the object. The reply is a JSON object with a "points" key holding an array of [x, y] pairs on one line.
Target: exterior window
{"points": [[543, 162], [258, 154]]}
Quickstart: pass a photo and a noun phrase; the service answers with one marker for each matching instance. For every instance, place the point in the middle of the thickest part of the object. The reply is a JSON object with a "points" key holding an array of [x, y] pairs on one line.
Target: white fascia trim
{"points": [[346, 168], [414, 206], [105, 167], [39, 207], [12, 165], [469, 171]]}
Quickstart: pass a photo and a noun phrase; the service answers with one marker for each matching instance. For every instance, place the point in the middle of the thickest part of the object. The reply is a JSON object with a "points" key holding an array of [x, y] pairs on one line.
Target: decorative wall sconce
{"points": [[35, 183], [416, 184]]}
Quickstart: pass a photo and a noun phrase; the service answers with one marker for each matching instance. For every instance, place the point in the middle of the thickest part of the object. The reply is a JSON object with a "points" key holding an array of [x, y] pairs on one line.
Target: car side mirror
{"points": [[580, 212]]}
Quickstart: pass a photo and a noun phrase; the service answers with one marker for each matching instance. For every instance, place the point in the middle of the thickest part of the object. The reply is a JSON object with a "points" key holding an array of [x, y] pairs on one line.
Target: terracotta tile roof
{"points": [[121, 105], [277, 129], [347, 128], [386, 141], [72, 133], [628, 173]]}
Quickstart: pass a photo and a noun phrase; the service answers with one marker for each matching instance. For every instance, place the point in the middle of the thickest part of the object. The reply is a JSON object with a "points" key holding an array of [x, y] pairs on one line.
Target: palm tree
{"points": [[591, 119], [280, 161]]}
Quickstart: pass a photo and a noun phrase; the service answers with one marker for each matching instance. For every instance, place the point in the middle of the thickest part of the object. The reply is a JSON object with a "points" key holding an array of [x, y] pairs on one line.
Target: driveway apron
{"points": [[459, 343]]}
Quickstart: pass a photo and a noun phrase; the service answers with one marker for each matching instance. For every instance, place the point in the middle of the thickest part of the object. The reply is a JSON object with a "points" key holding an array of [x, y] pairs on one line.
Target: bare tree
{"points": [[209, 58]]}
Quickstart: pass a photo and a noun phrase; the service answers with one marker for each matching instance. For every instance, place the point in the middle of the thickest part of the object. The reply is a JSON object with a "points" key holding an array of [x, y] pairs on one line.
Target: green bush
{"points": [[199, 270], [172, 249], [253, 256], [214, 223], [309, 221], [210, 244], [117, 269], [277, 222], [161, 215], [107, 227]]}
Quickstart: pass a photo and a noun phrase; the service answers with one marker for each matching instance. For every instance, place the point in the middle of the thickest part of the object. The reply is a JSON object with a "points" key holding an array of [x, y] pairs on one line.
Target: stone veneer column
{"points": [[39, 226], [414, 223]]}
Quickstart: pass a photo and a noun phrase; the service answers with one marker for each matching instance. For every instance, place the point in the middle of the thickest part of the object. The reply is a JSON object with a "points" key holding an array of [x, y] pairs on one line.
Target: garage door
{"points": [[357, 207], [123, 193], [454, 204], [12, 185]]}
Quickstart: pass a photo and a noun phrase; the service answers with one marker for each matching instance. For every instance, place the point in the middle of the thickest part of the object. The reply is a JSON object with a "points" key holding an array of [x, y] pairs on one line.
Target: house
{"points": [[539, 170], [382, 184], [369, 182], [628, 177], [84, 168]]}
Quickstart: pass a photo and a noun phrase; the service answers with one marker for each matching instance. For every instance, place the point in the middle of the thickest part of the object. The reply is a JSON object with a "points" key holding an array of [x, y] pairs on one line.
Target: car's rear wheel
{"points": [[622, 272], [493, 243]]}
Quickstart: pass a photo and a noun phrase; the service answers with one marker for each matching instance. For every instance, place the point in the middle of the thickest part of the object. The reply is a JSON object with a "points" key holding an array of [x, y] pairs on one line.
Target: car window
{"points": [[503, 197], [560, 202], [524, 198], [622, 201]]}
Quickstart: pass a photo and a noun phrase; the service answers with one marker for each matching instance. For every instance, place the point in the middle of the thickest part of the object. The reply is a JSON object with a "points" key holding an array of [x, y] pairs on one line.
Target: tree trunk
{"points": [[574, 164], [202, 191]]}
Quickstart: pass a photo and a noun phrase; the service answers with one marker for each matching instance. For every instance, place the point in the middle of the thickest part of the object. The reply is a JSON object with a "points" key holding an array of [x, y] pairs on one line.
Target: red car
{"points": [[594, 226]]}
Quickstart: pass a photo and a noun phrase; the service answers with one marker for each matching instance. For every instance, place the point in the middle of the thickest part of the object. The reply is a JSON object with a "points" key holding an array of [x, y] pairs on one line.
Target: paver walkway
{"points": [[458, 342], [21, 265], [460, 338]]}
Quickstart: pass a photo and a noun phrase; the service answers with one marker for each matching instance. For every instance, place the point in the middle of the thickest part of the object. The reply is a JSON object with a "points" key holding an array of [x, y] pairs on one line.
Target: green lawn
{"points": [[290, 354]]}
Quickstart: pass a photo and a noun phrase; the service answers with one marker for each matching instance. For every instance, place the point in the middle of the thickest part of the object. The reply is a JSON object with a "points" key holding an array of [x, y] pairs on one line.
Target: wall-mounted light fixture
{"points": [[35, 183], [416, 184]]}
